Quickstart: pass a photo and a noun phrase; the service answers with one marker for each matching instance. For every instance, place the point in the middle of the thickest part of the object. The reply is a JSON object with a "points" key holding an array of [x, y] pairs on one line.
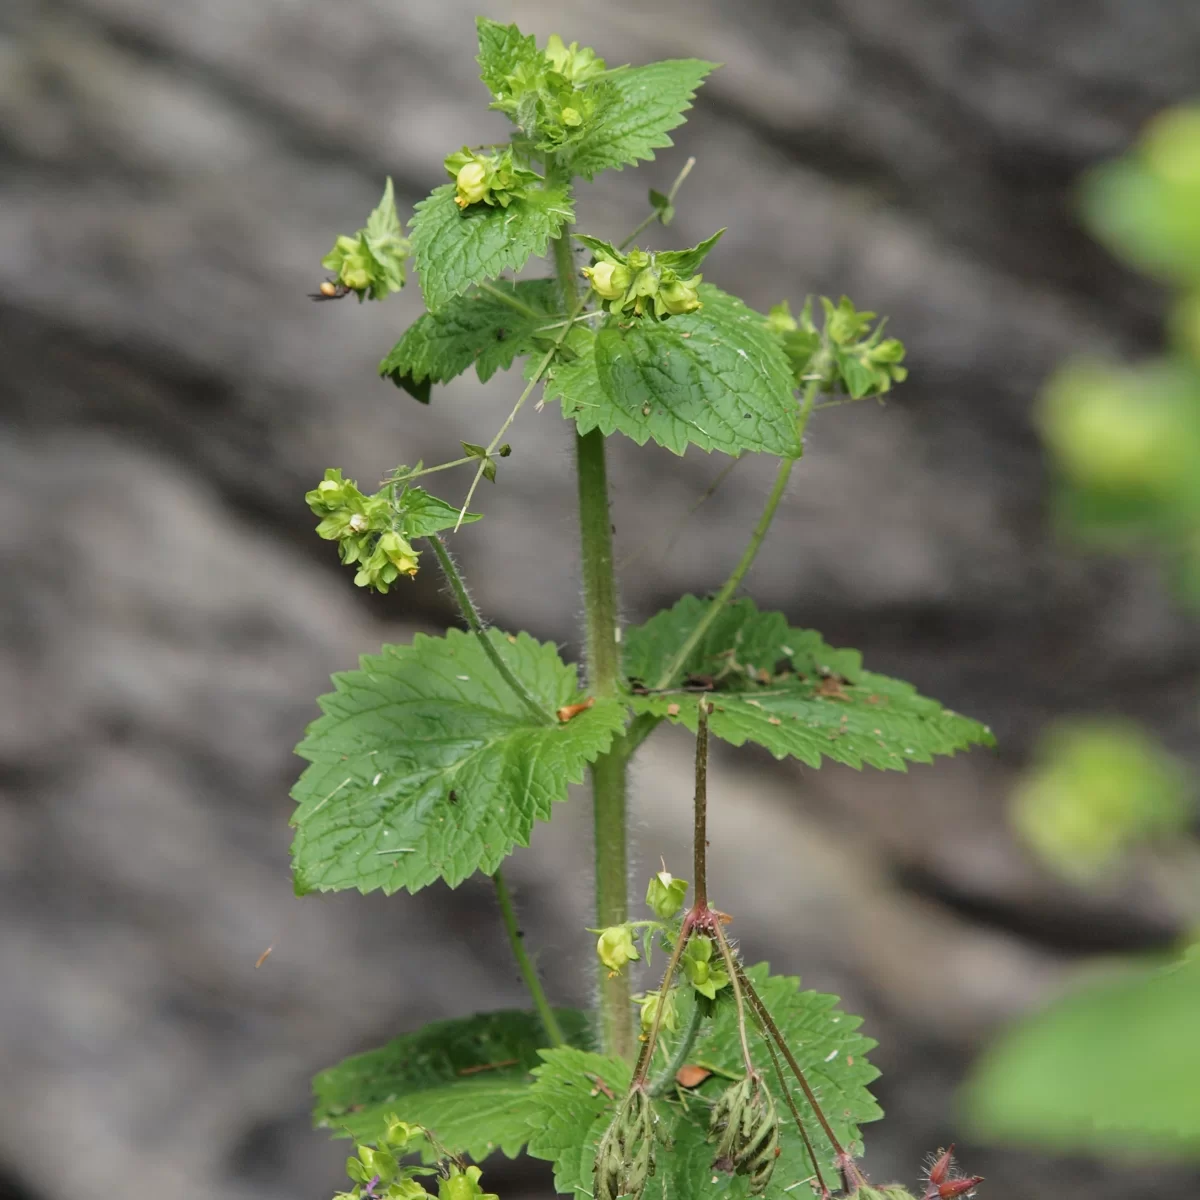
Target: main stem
{"points": [[604, 673]]}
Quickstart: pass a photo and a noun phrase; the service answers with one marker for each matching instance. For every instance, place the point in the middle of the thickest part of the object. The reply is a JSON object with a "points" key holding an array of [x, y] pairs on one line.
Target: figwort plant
{"points": [[433, 760]]}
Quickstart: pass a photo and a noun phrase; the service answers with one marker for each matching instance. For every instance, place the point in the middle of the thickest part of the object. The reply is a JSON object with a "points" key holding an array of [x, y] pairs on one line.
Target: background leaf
{"points": [[426, 766], [644, 104], [1111, 1069], [454, 248], [433, 1077], [821, 704], [715, 378], [477, 329]]}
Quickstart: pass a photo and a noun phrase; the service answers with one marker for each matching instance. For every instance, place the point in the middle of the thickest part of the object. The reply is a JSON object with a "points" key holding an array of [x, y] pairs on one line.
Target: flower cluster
{"points": [[553, 95], [371, 262], [365, 529], [844, 356], [642, 283], [492, 179]]}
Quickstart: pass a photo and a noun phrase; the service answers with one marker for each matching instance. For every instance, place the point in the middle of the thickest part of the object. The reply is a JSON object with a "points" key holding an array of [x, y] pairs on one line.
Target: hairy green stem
{"points": [[470, 614], [669, 676], [731, 967], [756, 540], [645, 224], [508, 915], [700, 811], [511, 300], [665, 1080], [604, 674]]}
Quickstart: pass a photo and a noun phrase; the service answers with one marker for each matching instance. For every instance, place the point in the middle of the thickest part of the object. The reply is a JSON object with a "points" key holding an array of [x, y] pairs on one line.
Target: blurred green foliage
{"points": [[1115, 1067], [1112, 1069], [1101, 787]]}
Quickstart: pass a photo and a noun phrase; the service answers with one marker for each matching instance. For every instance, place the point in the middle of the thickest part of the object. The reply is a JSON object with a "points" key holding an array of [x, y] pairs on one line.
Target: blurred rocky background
{"points": [[170, 174]]}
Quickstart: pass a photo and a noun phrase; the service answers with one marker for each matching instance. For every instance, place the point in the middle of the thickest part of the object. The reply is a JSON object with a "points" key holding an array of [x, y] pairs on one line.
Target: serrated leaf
{"points": [[503, 49], [1111, 1068], [598, 246], [565, 1104], [715, 379], [467, 1080], [820, 705], [688, 262], [456, 248], [478, 329], [644, 105], [425, 765], [422, 515]]}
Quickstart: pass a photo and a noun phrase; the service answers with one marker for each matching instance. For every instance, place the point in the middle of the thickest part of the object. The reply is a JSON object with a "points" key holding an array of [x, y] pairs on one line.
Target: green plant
{"points": [[433, 760], [1112, 1067]]}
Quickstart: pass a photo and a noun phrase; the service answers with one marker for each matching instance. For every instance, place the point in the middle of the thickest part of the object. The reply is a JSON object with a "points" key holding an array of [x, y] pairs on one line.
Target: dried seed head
{"points": [[625, 1156], [746, 1129]]}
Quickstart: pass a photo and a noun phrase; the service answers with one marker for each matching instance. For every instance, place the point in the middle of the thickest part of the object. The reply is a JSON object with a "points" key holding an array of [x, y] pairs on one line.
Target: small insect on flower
{"points": [[330, 290]]}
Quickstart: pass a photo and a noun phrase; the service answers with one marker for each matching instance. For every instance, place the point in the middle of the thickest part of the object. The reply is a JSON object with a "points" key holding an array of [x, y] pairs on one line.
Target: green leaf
{"points": [[1110, 1069], [425, 765], [455, 249], [662, 206], [598, 246], [715, 378], [503, 49], [422, 514], [787, 690], [478, 329], [643, 105], [467, 1080], [565, 1104], [825, 1042], [687, 262]]}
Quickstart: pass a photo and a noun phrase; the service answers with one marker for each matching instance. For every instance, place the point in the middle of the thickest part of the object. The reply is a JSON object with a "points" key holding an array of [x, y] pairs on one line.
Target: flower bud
{"points": [[780, 319], [405, 1189], [609, 280], [470, 183], [615, 947], [665, 895], [463, 1185], [697, 966], [625, 1156], [649, 1010], [571, 117], [678, 297], [398, 552], [375, 1163], [399, 1133], [746, 1130]]}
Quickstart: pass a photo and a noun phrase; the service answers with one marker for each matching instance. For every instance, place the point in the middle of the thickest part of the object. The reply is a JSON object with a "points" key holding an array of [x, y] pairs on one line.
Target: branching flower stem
{"points": [[470, 614], [731, 966], [525, 964], [769, 1025]]}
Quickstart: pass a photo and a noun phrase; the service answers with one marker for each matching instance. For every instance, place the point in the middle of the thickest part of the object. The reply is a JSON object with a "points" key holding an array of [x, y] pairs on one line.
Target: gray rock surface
{"points": [[169, 176]]}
